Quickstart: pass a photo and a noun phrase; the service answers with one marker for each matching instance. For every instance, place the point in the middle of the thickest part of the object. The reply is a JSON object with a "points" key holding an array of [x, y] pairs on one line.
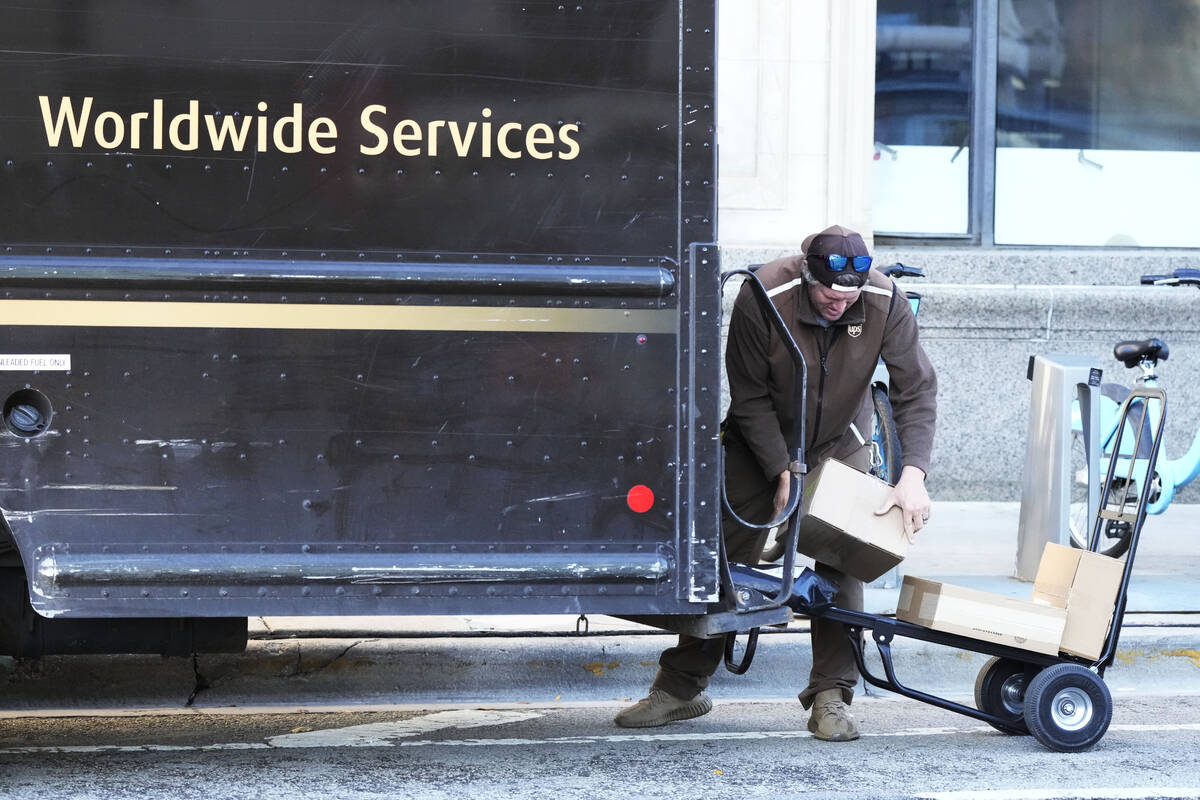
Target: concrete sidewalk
{"points": [[975, 545], [357, 661]]}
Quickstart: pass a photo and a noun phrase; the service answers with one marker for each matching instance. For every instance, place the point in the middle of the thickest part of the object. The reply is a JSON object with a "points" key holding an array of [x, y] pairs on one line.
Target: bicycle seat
{"points": [[1130, 353]]}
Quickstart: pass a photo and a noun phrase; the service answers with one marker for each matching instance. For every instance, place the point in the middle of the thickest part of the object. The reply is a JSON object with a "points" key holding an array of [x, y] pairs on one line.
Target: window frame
{"points": [[981, 185]]}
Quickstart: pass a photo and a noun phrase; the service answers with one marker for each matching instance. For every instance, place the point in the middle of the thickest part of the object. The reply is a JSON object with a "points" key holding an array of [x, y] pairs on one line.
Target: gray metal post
{"points": [[1058, 382]]}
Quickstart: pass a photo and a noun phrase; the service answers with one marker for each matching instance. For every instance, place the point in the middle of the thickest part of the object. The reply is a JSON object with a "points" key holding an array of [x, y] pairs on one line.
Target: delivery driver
{"points": [[844, 317]]}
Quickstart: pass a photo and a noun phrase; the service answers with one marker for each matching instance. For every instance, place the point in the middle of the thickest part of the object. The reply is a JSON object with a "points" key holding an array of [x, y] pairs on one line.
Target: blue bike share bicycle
{"points": [[885, 442], [1168, 476]]}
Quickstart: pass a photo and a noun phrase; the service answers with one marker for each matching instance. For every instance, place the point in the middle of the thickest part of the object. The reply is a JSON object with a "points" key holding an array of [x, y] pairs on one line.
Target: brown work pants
{"points": [[684, 670]]}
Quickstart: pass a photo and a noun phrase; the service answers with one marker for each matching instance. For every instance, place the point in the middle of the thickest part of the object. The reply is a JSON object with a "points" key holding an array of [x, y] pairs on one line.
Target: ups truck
{"points": [[369, 307]]}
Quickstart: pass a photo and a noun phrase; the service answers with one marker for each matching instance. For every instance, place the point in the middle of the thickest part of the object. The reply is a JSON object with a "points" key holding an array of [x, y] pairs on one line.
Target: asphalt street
{"points": [[518, 707], [512, 751]]}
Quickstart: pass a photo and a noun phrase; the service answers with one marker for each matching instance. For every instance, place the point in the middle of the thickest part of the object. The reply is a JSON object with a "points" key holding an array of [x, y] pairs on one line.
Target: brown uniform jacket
{"points": [[841, 360]]}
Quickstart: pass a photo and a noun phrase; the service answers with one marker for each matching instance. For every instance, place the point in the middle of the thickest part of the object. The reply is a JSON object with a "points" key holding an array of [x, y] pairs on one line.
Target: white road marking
{"points": [[357, 708], [381, 734], [1182, 726], [708, 736], [134, 748], [399, 733], [1063, 794]]}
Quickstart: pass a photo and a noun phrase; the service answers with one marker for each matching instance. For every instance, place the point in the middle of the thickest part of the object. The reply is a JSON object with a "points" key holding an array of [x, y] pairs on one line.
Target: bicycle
{"points": [[1169, 475], [885, 441], [886, 461]]}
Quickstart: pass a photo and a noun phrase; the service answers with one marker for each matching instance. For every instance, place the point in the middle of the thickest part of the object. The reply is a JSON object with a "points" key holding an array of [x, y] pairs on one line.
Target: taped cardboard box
{"points": [[981, 615], [1086, 585], [1071, 609], [838, 525]]}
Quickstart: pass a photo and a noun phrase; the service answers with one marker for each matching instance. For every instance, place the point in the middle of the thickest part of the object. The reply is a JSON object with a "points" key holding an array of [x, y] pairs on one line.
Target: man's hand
{"points": [[910, 497], [783, 491]]}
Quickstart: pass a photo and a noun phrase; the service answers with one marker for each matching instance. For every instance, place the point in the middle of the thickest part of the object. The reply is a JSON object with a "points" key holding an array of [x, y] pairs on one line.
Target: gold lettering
{"points": [[135, 129], [407, 131], [502, 140], [370, 127], [539, 134], [158, 123], [229, 127], [564, 136], [68, 122], [66, 112], [462, 145], [118, 125], [296, 122], [191, 118], [432, 137], [485, 140], [322, 128], [263, 127]]}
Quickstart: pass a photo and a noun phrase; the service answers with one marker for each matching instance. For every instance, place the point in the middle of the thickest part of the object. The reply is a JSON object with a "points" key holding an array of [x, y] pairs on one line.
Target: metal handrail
{"points": [[1145, 395], [796, 448]]}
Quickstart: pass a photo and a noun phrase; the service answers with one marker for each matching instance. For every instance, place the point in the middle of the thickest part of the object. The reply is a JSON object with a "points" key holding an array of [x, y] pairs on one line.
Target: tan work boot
{"points": [[661, 707], [831, 719]]}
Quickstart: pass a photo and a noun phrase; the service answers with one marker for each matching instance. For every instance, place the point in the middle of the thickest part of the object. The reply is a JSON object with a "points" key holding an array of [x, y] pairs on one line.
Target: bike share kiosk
{"points": [[1061, 383]]}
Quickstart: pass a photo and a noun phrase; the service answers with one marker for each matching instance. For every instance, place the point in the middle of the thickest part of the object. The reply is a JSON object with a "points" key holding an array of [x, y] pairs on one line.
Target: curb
{"points": [[614, 667]]}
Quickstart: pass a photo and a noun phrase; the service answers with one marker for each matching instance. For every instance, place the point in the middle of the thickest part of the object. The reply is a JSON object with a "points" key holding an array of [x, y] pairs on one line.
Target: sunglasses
{"points": [[838, 263]]}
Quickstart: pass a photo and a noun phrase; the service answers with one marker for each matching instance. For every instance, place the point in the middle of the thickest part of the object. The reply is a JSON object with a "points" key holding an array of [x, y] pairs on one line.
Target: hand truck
{"points": [[1061, 700]]}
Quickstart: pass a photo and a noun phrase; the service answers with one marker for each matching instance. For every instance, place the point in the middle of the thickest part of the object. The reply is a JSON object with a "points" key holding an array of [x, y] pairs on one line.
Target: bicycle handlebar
{"points": [[899, 270], [1180, 277]]}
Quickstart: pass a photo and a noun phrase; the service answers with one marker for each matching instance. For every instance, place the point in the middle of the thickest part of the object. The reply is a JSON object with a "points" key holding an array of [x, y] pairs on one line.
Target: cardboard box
{"points": [[981, 615], [838, 525], [1071, 609], [1086, 585]]}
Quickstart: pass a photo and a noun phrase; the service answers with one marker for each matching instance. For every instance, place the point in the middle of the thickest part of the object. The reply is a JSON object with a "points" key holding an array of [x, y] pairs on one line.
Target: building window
{"points": [[923, 84], [1096, 125]]}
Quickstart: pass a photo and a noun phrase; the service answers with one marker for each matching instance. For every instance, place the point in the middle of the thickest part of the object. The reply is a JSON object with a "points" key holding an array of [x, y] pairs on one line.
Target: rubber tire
{"points": [[998, 678], [1045, 707], [883, 433]]}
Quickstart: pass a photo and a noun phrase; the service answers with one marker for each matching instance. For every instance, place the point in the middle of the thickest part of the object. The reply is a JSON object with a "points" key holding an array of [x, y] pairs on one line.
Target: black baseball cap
{"points": [[837, 241]]}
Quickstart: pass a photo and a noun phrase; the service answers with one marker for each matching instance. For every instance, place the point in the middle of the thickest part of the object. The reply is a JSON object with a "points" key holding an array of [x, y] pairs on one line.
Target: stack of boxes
{"points": [[1074, 594]]}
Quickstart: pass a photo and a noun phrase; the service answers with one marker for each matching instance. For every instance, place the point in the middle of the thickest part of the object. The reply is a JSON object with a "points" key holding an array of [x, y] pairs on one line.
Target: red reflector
{"points": [[640, 498]]}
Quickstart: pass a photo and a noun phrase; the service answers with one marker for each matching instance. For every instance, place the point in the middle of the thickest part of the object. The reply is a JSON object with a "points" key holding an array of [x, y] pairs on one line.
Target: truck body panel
{"points": [[359, 308]]}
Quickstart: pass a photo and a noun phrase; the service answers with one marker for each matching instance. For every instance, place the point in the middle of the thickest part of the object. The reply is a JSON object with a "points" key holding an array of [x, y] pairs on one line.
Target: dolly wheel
{"points": [[1000, 691], [1067, 707]]}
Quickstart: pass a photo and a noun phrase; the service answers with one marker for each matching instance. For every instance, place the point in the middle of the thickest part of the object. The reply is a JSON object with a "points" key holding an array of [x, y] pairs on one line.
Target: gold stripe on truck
{"points": [[289, 316]]}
